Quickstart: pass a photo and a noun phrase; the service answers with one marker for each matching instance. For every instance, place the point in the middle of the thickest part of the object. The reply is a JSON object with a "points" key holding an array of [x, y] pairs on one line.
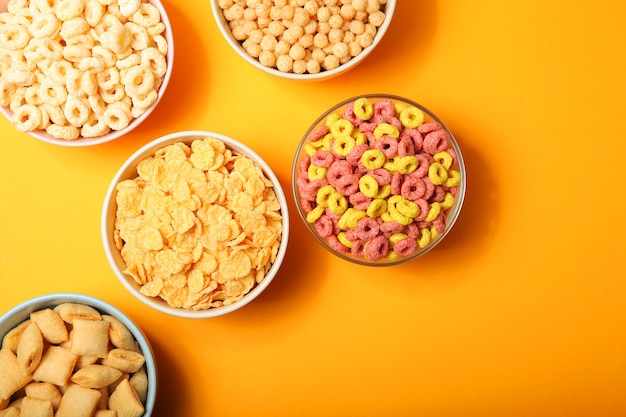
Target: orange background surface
{"points": [[521, 311]]}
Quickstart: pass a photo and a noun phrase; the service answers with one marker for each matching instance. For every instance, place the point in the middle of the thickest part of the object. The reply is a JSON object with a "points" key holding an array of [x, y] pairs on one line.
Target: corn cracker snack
{"points": [[80, 69], [199, 226], [70, 377]]}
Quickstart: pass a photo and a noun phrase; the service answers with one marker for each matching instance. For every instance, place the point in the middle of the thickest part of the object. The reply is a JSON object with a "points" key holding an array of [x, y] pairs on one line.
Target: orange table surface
{"points": [[521, 311]]}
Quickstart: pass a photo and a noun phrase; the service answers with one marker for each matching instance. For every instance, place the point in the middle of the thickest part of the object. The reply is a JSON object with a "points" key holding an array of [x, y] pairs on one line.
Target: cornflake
{"points": [[199, 226]]}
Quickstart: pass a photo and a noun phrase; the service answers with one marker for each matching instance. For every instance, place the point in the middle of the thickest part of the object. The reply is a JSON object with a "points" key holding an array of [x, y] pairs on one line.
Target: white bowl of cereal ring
{"points": [[70, 354], [77, 73], [306, 39], [195, 224], [378, 180]]}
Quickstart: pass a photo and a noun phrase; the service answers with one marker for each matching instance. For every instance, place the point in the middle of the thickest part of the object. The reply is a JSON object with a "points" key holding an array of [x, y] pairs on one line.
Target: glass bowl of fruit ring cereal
{"points": [[309, 41], [378, 180], [76, 73], [195, 224]]}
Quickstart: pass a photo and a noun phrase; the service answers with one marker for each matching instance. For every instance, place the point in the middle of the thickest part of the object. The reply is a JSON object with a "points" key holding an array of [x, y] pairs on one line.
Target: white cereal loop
{"points": [[68, 9], [75, 53], [107, 57], [113, 95], [129, 7], [84, 40], [108, 78], [44, 25], [13, 37], [58, 71], [117, 116], [94, 126], [138, 80], [147, 15], [32, 95], [26, 118], [157, 29], [18, 99], [76, 111], [91, 63], [45, 118], [117, 38], [55, 113], [20, 78], [19, 7], [7, 90], [130, 61], [74, 27], [144, 101], [63, 132], [161, 44], [31, 52], [53, 93], [151, 57], [42, 6], [50, 48], [97, 104], [139, 36], [94, 11], [88, 83], [72, 81]]}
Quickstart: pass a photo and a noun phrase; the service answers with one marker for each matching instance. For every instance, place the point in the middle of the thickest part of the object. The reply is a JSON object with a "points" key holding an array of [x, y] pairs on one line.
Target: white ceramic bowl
{"points": [[21, 312], [129, 170], [222, 23], [301, 181], [114, 134]]}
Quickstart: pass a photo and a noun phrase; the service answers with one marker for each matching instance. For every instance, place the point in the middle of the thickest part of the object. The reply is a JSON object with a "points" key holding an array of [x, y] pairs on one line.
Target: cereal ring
{"points": [[324, 194], [26, 118], [147, 15], [359, 201], [436, 141], [128, 7], [347, 184], [63, 132], [439, 225], [7, 90], [341, 237], [392, 227], [153, 59], [94, 127], [337, 170], [76, 111], [341, 128], [50, 48], [407, 164], [324, 226], [373, 159], [428, 127], [140, 39], [20, 78], [437, 173], [411, 117], [94, 11], [448, 201], [314, 214], [363, 108], [138, 81], [376, 249], [113, 95], [382, 176], [13, 37], [117, 115], [337, 203], [405, 247], [54, 94], [368, 186], [388, 145], [377, 207], [343, 145], [44, 25], [433, 212], [336, 245], [367, 228], [404, 206], [386, 129], [424, 238], [412, 188], [349, 115], [384, 108], [74, 27], [318, 133], [383, 191], [322, 159], [444, 158], [415, 136], [350, 217], [68, 9], [454, 178]]}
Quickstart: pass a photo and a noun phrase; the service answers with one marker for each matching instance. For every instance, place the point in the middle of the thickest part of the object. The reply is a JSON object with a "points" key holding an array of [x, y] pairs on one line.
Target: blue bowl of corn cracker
{"points": [[36, 333], [195, 224]]}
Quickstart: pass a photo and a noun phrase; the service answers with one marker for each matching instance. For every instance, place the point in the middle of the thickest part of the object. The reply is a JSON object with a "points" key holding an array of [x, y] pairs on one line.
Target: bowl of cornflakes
{"points": [[313, 40], [69, 354], [378, 180], [195, 224], [81, 73]]}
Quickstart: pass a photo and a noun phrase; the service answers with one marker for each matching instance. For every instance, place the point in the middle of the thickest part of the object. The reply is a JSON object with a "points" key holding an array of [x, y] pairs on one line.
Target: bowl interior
{"points": [[21, 312], [80, 142], [452, 215], [129, 170], [222, 23]]}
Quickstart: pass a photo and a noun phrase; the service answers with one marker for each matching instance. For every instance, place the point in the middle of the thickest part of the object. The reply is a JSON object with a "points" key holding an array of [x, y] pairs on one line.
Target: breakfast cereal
{"points": [[376, 180], [199, 226]]}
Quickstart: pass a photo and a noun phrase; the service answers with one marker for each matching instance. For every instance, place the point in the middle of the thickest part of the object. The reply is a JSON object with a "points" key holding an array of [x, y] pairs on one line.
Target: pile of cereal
{"points": [[304, 36], [378, 180], [200, 226], [71, 361], [77, 68]]}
